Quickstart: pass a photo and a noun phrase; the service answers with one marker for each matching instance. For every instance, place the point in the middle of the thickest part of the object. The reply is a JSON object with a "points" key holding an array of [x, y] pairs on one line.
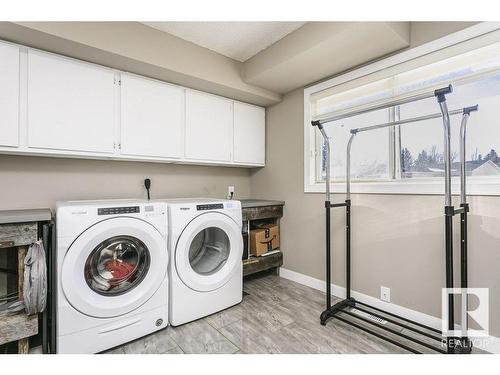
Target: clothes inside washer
{"points": [[120, 270]]}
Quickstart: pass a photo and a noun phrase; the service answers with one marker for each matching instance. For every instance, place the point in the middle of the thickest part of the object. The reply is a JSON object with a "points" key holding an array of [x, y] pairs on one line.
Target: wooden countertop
{"points": [[25, 216], [249, 203]]}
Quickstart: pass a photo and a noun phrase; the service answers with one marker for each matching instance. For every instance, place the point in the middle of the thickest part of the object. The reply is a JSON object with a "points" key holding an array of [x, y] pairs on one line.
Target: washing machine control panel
{"points": [[118, 210], [206, 207]]}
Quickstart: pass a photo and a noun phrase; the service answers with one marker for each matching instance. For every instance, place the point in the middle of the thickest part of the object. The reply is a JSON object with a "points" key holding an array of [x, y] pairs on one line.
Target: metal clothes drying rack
{"points": [[349, 306]]}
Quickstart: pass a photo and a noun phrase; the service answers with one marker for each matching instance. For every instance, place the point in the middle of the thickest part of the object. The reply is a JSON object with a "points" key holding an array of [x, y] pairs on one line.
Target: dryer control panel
{"points": [[118, 210], [206, 207]]}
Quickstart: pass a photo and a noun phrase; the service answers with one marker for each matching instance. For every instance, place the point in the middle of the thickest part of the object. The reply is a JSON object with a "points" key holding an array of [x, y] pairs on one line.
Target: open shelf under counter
{"points": [[260, 210]]}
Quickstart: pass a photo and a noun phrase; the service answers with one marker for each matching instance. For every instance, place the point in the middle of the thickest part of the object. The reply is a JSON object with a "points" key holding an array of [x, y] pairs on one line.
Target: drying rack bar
{"points": [[403, 325], [463, 131], [344, 308], [445, 114], [393, 103], [401, 318], [406, 121], [395, 332], [334, 205]]}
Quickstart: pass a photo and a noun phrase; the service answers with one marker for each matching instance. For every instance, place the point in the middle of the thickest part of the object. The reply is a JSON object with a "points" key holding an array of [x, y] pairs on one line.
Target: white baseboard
{"points": [[493, 343]]}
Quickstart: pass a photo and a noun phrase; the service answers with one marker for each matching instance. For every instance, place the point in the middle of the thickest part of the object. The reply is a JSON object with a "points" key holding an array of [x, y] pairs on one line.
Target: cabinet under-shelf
{"points": [[265, 211], [257, 264]]}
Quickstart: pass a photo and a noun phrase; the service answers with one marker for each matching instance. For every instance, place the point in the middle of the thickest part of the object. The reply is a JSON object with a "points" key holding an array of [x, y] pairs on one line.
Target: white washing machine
{"points": [[206, 245], [112, 279]]}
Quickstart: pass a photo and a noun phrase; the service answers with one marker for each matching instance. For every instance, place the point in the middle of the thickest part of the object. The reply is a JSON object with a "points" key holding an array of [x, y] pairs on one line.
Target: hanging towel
{"points": [[34, 286]]}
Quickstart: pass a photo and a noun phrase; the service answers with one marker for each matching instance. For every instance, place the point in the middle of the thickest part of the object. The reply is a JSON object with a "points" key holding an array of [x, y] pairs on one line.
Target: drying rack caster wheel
{"points": [[324, 317]]}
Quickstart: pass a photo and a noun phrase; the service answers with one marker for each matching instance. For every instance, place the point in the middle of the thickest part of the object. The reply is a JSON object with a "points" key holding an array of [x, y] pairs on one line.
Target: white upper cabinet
{"points": [[9, 95], [209, 127], [71, 105], [249, 134], [55, 105], [152, 118]]}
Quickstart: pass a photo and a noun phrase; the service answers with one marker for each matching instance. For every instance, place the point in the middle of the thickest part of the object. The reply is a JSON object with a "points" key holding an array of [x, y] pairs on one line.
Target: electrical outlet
{"points": [[385, 294], [230, 192]]}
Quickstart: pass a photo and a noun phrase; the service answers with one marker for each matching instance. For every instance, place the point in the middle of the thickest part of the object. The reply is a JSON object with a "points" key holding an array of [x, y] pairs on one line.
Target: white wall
{"points": [[38, 182]]}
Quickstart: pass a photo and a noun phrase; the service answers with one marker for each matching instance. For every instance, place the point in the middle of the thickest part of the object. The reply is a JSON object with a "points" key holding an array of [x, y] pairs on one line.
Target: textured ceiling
{"points": [[237, 40]]}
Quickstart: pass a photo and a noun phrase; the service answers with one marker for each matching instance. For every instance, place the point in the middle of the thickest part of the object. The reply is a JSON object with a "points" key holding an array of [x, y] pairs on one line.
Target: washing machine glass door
{"points": [[209, 251], [114, 267]]}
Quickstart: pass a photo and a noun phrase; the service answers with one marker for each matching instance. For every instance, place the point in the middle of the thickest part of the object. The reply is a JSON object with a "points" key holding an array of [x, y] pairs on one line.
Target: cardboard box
{"points": [[265, 238]]}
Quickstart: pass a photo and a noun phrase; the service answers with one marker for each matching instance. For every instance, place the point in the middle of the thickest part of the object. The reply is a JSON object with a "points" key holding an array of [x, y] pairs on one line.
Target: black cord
{"points": [[147, 184]]}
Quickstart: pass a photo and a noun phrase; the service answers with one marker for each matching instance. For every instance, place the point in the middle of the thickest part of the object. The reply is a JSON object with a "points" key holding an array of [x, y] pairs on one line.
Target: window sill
{"points": [[435, 187]]}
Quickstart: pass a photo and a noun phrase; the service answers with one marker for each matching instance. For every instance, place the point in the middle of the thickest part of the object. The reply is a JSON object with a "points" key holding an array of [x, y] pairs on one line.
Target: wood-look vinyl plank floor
{"points": [[277, 316]]}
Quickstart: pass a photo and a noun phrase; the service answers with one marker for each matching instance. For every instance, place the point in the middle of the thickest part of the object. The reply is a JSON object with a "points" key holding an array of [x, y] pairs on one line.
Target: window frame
{"points": [[430, 186]]}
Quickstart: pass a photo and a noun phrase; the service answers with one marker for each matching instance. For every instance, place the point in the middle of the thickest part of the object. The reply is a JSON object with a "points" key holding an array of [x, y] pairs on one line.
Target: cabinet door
{"points": [[152, 118], [249, 134], [70, 105], [209, 123], [9, 95]]}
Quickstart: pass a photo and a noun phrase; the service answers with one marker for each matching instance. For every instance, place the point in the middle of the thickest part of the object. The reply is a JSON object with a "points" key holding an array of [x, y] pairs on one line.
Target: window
{"points": [[420, 146], [369, 156], [409, 158]]}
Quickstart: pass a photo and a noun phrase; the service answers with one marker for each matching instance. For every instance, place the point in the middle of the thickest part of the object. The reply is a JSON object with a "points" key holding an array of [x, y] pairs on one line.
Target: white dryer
{"points": [[112, 279], [206, 245]]}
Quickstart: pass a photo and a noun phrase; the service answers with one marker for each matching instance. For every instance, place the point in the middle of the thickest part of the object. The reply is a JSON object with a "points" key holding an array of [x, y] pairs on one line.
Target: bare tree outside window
{"points": [[421, 152]]}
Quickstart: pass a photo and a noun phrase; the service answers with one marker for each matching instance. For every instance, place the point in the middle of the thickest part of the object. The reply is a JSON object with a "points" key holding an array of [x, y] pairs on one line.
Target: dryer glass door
{"points": [[208, 252]]}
